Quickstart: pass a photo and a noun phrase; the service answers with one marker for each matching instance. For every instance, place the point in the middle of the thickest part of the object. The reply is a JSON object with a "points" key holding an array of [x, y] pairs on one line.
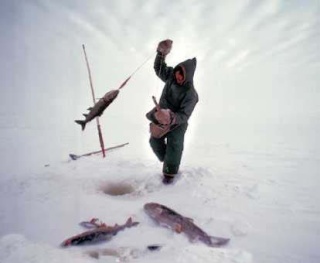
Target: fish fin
{"points": [[82, 123], [93, 223], [88, 225], [74, 156], [90, 108], [94, 220], [178, 228], [85, 115], [219, 241]]}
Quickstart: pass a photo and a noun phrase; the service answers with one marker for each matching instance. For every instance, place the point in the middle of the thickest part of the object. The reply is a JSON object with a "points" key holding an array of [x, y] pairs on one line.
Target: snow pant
{"points": [[169, 148]]}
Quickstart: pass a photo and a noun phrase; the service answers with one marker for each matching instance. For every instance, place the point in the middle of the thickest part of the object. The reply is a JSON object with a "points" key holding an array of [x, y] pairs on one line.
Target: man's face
{"points": [[179, 77]]}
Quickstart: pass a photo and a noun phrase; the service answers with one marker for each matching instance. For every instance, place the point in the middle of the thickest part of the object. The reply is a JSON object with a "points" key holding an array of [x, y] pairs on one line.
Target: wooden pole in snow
{"points": [[94, 102]]}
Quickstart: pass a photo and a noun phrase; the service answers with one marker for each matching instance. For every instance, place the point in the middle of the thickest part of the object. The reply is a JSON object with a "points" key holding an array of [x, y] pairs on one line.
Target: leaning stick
{"points": [[94, 102]]}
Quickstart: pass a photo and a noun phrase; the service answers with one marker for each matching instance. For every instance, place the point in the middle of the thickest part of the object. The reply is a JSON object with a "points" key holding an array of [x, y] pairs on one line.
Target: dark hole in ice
{"points": [[116, 189]]}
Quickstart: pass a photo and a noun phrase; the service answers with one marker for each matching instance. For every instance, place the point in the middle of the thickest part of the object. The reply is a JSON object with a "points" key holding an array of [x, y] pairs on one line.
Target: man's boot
{"points": [[167, 178]]}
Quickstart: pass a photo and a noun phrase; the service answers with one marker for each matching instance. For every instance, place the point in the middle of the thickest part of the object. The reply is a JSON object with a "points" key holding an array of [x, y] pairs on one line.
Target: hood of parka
{"points": [[188, 67]]}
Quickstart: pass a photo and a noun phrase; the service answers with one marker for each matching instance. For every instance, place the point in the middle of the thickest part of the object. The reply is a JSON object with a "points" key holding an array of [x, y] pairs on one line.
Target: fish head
{"points": [[111, 95], [154, 210]]}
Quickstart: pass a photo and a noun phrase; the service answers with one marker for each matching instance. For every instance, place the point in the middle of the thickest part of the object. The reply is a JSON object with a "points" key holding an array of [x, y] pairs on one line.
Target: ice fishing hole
{"points": [[117, 189]]}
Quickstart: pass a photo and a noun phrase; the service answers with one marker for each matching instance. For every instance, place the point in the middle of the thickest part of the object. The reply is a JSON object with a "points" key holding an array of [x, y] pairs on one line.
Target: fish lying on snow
{"points": [[171, 219], [98, 108], [100, 232]]}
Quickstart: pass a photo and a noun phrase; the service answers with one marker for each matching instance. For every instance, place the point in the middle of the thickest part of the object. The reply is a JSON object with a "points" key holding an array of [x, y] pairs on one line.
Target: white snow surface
{"points": [[250, 168], [264, 200]]}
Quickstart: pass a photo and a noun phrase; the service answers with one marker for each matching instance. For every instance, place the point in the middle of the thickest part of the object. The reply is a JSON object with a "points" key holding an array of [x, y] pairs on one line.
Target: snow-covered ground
{"points": [[261, 193], [250, 170]]}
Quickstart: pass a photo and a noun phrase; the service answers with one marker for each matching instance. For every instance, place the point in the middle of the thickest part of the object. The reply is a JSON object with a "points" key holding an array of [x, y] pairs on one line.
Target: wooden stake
{"points": [[94, 102]]}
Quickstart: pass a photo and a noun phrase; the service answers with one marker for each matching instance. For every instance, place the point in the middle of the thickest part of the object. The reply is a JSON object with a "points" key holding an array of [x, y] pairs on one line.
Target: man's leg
{"points": [[172, 159], [159, 147]]}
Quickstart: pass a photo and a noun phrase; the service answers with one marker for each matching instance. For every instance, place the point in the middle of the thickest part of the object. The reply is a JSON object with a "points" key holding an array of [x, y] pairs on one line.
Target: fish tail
{"points": [[130, 222], [82, 123], [218, 241]]}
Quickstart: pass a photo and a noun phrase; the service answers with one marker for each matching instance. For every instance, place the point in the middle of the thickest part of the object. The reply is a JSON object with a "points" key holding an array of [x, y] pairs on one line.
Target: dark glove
{"points": [[164, 47]]}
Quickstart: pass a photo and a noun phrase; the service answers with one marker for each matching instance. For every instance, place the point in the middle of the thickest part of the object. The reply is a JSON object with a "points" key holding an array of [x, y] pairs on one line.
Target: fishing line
{"points": [[134, 72], [143, 64]]}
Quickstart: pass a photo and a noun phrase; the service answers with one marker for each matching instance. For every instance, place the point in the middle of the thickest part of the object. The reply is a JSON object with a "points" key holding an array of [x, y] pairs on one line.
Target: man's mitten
{"points": [[164, 47], [165, 116]]}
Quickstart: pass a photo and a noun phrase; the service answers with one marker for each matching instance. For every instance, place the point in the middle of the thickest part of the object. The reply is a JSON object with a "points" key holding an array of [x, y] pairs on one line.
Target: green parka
{"points": [[180, 99]]}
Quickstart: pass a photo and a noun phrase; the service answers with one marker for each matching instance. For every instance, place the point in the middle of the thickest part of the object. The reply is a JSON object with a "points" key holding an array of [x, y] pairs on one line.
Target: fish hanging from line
{"points": [[98, 109]]}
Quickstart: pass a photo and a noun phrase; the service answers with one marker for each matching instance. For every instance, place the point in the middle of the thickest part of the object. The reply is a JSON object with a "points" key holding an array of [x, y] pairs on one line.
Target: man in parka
{"points": [[177, 102]]}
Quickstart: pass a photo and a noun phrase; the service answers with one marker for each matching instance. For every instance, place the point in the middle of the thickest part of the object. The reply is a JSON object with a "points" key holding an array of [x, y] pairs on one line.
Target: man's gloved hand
{"points": [[164, 47], [164, 116]]}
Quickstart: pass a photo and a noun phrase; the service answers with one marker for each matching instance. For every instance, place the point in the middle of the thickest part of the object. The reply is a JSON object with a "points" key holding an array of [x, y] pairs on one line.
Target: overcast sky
{"points": [[258, 63]]}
